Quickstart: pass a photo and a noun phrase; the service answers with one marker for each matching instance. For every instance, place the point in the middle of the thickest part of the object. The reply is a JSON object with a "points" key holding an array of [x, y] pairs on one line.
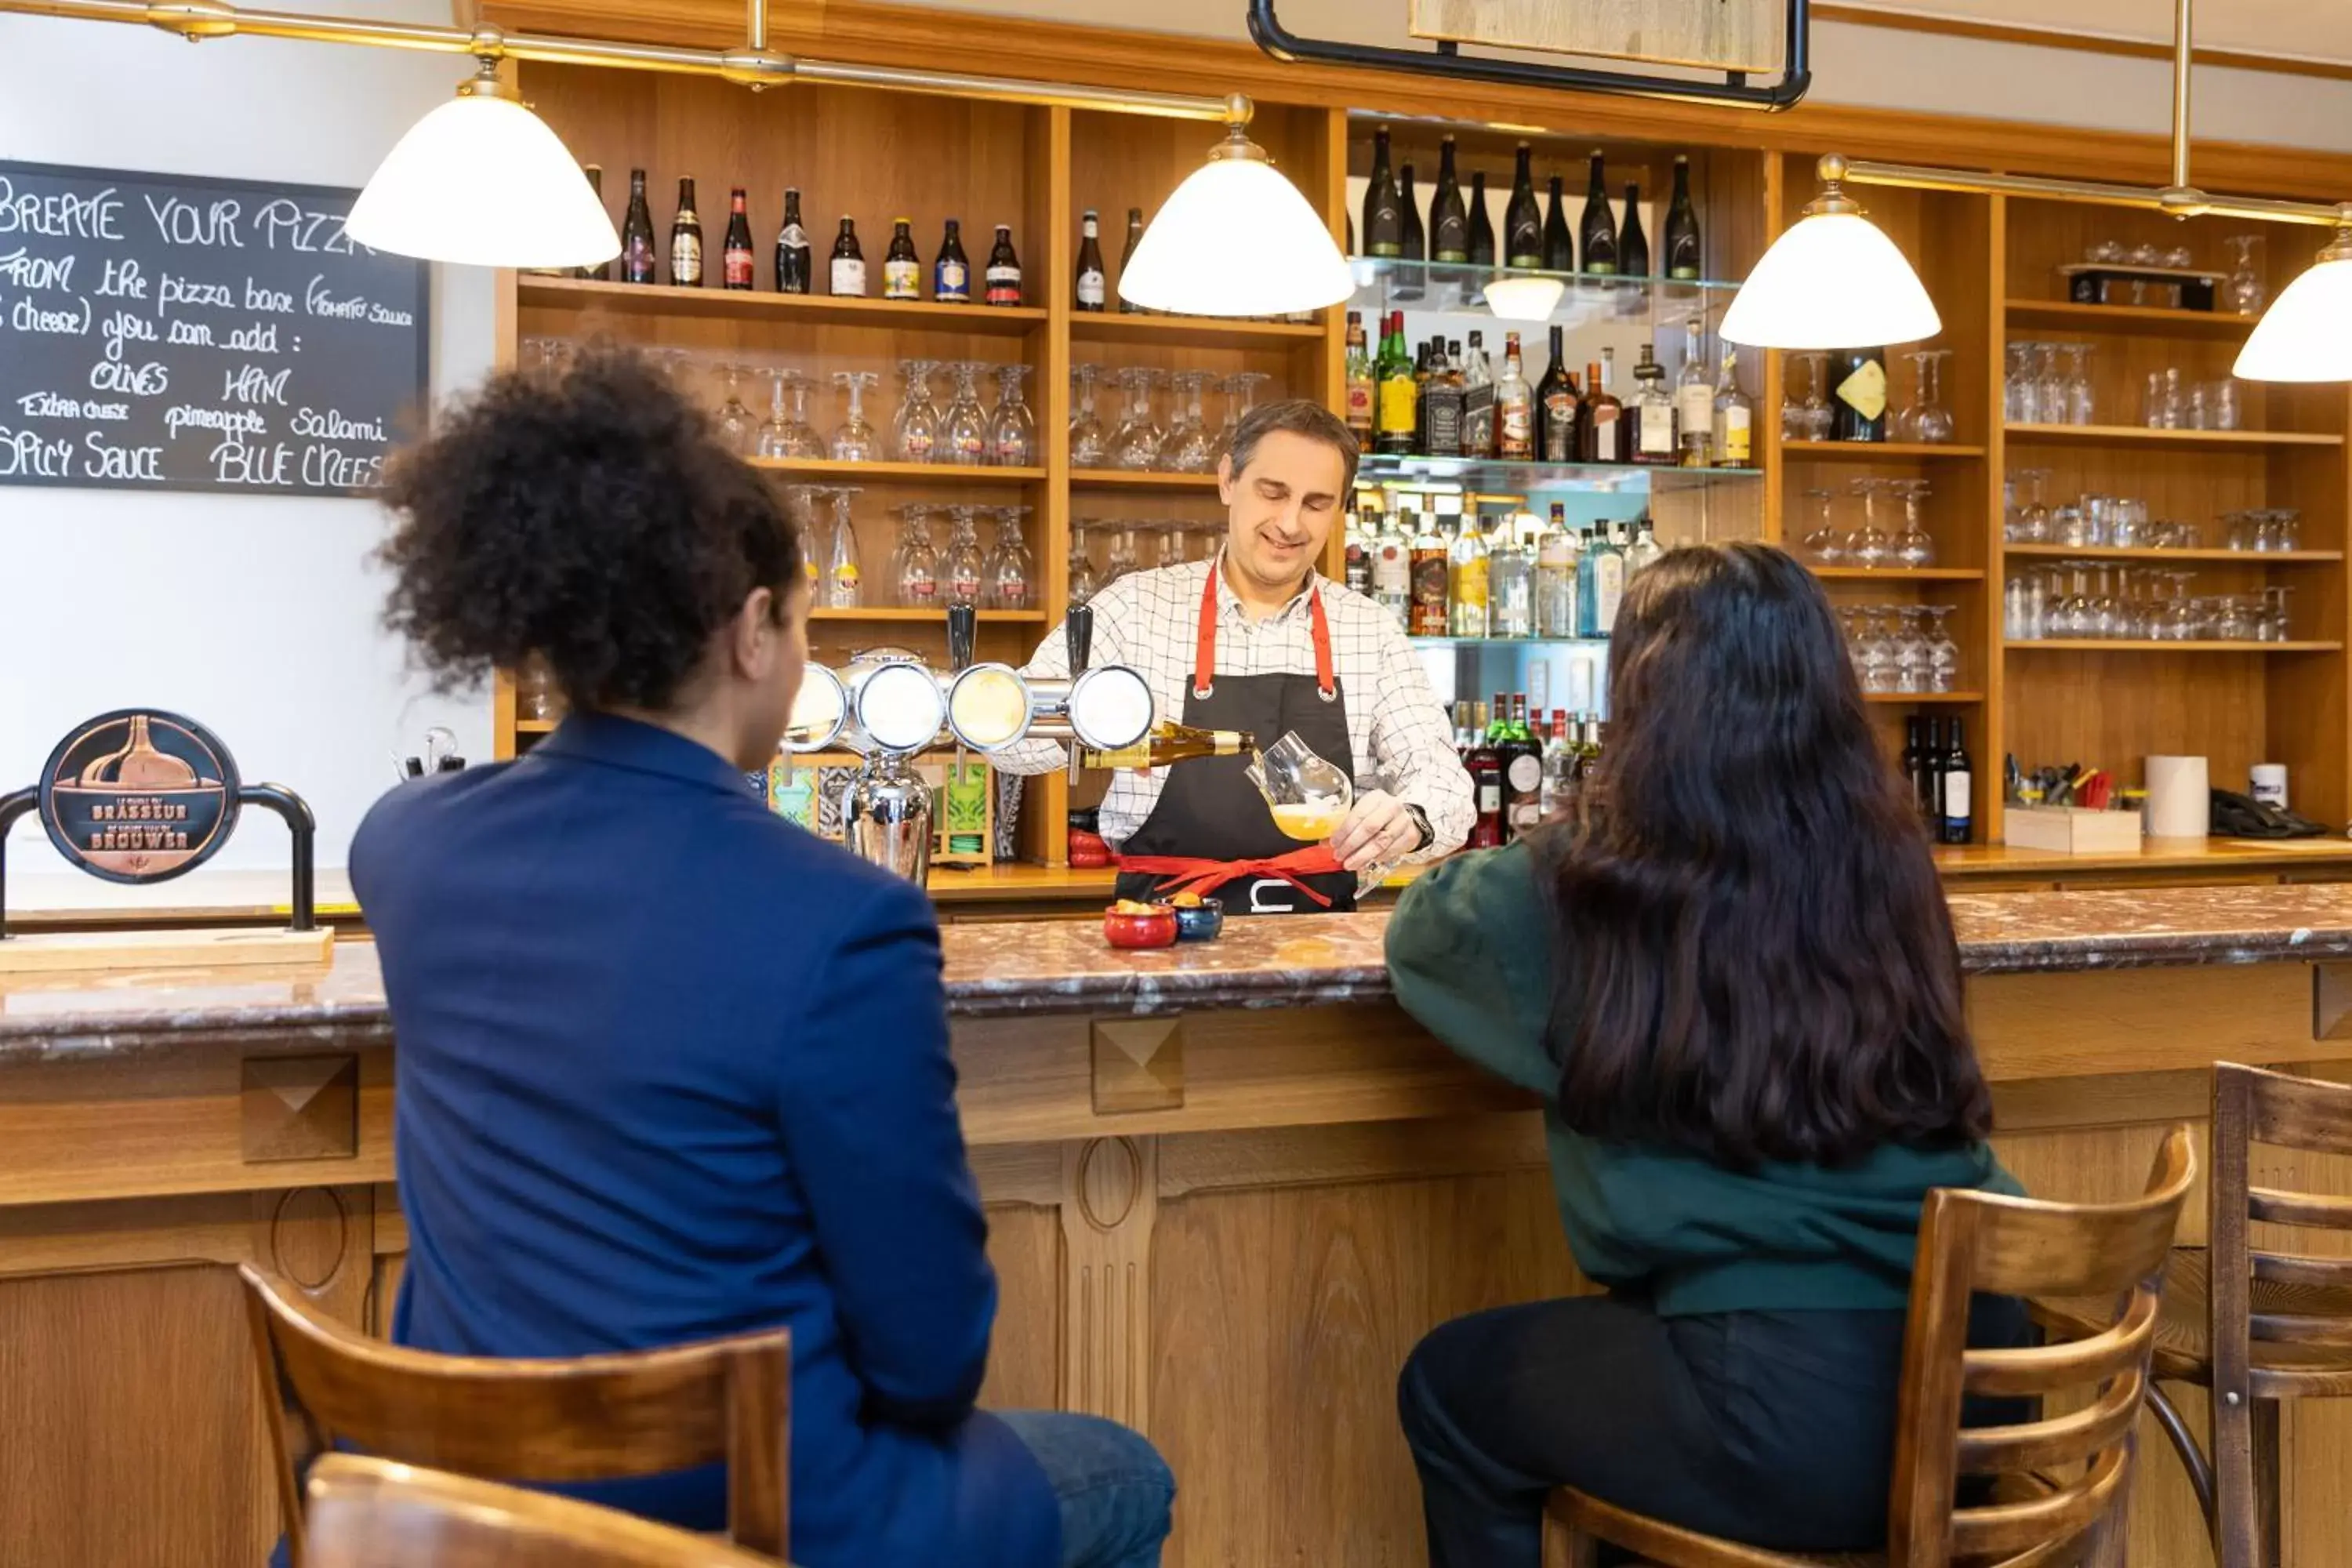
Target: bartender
{"points": [[1255, 640]]}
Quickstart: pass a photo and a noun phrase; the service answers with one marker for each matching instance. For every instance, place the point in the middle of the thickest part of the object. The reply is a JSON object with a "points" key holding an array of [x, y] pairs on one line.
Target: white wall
{"points": [[256, 615]]}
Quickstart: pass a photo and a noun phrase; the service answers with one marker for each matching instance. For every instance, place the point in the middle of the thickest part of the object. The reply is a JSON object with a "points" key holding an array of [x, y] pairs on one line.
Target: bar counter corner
{"points": [[1229, 1187]]}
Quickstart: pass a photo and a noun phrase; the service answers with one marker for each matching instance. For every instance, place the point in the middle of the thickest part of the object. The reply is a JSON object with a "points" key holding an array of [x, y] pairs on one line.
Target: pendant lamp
{"points": [[1834, 281], [1237, 239]]}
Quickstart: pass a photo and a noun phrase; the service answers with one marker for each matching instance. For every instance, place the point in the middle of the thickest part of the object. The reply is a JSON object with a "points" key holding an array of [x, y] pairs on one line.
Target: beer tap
{"points": [[1078, 634]]}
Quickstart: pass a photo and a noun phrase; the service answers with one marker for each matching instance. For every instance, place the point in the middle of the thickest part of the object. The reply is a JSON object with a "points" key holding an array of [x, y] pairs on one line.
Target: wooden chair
{"points": [[373, 1513], [2060, 1481], [2255, 1327], [588, 1418]]}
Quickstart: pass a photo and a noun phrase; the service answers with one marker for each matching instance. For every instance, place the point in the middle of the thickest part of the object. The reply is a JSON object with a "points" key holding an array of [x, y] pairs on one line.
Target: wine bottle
{"points": [[1449, 221], [1415, 244], [793, 267], [1091, 282], [1958, 812], [737, 264], [1556, 406], [602, 270], [1383, 232], [902, 270], [1523, 220], [1684, 257], [1127, 257], [1598, 235], [848, 268], [1633, 245], [1860, 405], [951, 273], [685, 240], [1003, 269], [1482, 223], [1558, 245], [637, 235], [1172, 742]]}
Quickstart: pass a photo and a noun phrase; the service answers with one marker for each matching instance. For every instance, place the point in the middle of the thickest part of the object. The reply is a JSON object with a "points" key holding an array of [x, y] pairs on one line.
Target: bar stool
{"points": [[2255, 1327], [2062, 1480], [596, 1417], [373, 1514]]}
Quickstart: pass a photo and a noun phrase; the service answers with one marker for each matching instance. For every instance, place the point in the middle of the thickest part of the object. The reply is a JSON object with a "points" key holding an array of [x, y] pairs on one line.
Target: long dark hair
{"points": [[1757, 958]]}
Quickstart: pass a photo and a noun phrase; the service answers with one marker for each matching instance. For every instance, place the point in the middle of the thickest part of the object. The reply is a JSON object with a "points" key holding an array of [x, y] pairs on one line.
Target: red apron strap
{"points": [[1204, 657], [1327, 681]]}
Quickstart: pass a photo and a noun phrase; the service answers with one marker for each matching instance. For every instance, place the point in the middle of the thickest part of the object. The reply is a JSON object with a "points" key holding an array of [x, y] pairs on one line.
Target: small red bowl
{"points": [[1137, 933], [1088, 851]]}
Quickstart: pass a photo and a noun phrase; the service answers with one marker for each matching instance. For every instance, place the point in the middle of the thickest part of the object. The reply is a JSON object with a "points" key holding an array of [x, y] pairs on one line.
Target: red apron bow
{"points": [[1185, 874]]}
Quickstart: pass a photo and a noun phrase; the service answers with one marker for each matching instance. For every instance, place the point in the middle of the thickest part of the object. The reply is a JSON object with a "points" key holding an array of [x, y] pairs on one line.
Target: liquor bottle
{"points": [[1003, 269], [602, 270], [1429, 574], [1442, 397], [1410, 282], [1557, 797], [1397, 392], [1695, 400], [1482, 223], [1958, 812], [848, 268], [1510, 583], [736, 264], [1383, 231], [1091, 290], [1127, 257], [685, 240], [1449, 220], [1644, 552], [1555, 577], [1465, 579], [637, 235], [1172, 742], [1556, 406], [1513, 407], [793, 267], [1633, 245], [1602, 585], [1603, 432], [1597, 239], [1359, 381], [1860, 404], [1392, 569], [1915, 763], [1558, 245], [1485, 766], [951, 273], [1653, 411], [1594, 746], [902, 270], [1734, 417], [1522, 759], [1364, 526], [1477, 401], [1523, 220], [1685, 256]]}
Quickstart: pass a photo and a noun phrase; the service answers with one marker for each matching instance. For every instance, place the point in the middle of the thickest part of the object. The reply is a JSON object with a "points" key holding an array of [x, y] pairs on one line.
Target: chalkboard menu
{"points": [[162, 332]]}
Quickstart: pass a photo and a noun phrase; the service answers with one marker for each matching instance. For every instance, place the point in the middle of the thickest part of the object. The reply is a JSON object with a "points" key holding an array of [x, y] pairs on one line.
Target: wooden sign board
{"points": [[1713, 34]]}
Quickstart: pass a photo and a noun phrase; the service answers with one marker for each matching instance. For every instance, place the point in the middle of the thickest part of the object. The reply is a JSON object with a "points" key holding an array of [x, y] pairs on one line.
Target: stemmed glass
{"points": [[1011, 432], [1168, 543], [1915, 546], [1822, 542], [2049, 384], [1241, 395], [1943, 653], [845, 582], [1810, 420], [1122, 558], [1085, 581], [1086, 443], [2078, 384], [915, 433], [1913, 653], [2276, 625], [853, 438], [2021, 397], [1877, 659], [791, 436], [963, 568], [1010, 572], [1188, 448], [1927, 419], [963, 428], [1869, 546], [1136, 442], [2245, 290], [775, 437], [738, 428], [914, 565]]}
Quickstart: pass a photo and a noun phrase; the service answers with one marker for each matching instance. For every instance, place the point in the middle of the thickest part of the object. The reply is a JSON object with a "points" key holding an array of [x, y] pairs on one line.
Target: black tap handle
{"points": [[1080, 631], [963, 636]]}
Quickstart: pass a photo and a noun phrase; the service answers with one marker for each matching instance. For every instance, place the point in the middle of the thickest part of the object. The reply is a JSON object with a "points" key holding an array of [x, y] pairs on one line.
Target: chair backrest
{"points": [[585, 1418], [1972, 1242], [2250, 1107], [374, 1513]]}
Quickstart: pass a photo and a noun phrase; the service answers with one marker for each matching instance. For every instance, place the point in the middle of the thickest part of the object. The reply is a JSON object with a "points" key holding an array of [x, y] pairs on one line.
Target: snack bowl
{"points": [[1136, 926], [1201, 920]]}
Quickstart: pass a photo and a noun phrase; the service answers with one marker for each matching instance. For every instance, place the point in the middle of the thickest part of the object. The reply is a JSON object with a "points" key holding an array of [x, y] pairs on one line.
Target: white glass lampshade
{"points": [[1237, 239], [2306, 334], [481, 180], [1832, 281], [1525, 298]]}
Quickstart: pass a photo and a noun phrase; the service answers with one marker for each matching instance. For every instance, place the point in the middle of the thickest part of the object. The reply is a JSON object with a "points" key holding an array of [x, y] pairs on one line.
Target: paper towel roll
{"points": [[2179, 797]]}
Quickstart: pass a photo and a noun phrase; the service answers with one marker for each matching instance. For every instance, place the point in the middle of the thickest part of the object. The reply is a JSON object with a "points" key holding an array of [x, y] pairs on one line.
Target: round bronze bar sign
{"points": [[139, 795]]}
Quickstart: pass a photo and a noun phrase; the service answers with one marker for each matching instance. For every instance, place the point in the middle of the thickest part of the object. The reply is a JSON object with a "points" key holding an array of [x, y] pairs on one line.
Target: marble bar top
{"points": [[1040, 967]]}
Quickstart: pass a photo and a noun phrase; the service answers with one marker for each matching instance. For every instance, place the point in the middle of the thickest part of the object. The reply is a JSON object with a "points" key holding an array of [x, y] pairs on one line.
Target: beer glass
{"points": [[1309, 796]]}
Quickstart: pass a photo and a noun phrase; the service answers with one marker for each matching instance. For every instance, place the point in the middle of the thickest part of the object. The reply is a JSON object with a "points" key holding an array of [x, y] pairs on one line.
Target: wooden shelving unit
{"points": [[660, 300], [2181, 440], [943, 476], [2145, 321], [1110, 327], [2136, 645], [1880, 451], [1142, 481], [1899, 574], [2254, 558]]}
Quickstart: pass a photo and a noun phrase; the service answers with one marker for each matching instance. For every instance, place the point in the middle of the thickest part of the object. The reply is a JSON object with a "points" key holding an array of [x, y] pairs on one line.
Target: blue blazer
{"points": [[671, 1068]]}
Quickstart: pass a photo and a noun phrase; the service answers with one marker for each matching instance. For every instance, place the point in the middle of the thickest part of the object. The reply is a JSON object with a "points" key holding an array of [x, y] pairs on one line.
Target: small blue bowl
{"points": [[1201, 923]]}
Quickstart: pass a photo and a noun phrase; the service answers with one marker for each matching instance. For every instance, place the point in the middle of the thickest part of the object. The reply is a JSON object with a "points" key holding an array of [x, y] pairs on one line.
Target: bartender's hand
{"points": [[1378, 831]]}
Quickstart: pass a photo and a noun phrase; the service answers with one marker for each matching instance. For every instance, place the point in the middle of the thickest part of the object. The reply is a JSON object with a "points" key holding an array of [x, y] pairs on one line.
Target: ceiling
{"points": [[2307, 29]]}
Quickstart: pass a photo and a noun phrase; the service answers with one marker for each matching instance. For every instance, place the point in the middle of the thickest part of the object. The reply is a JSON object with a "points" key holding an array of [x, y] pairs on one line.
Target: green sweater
{"points": [[1469, 954]]}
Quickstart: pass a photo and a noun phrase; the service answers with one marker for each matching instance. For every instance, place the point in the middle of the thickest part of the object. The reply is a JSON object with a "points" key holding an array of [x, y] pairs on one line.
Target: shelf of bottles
{"points": [[1526, 767]]}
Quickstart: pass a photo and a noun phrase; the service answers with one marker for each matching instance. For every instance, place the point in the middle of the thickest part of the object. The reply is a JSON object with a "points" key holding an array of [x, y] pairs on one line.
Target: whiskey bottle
{"points": [[1695, 400], [1429, 574], [1477, 400], [1653, 411], [1513, 407], [1602, 435]]}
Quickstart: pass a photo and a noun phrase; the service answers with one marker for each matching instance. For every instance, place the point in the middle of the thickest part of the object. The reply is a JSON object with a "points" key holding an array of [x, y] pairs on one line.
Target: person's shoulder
{"points": [[400, 829], [796, 872], [1180, 582]]}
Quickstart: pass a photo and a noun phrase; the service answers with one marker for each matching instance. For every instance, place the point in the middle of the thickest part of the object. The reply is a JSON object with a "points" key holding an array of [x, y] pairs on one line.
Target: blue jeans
{"points": [[1114, 1488]]}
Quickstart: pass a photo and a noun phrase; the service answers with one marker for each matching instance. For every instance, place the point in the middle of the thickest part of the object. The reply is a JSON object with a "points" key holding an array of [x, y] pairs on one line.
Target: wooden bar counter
{"points": [[1229, 1187]]}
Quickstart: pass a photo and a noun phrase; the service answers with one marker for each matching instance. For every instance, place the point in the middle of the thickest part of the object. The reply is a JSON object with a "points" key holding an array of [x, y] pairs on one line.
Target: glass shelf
{"points": [[1480, 474], [1508, 642], [1448, 288]]}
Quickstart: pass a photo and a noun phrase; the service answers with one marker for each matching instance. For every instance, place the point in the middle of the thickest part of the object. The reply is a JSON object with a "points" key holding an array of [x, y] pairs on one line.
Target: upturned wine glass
{"points": [[1915, 546], [1089, 443], [1927, 419], [1822, 542], [1869, 546], [1011, 571], [1136, 443], [853, 438], [915, 433], [1943, 653], [1913, 655], [1189, 447], [915, 565], [1012, 431], [964, 427], [738, 428], [1084, 581], [965, 567], [1241, 395], [2245, 292]]}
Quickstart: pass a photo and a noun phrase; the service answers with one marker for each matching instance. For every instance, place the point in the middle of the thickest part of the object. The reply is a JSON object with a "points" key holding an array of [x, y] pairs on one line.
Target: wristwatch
{"points": [[1421, 823]]}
